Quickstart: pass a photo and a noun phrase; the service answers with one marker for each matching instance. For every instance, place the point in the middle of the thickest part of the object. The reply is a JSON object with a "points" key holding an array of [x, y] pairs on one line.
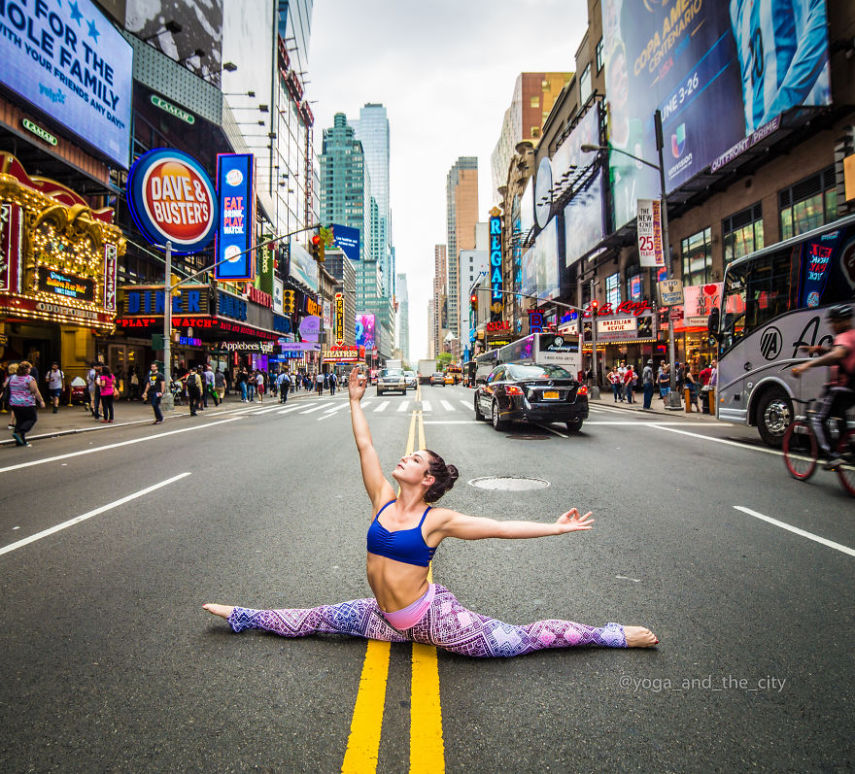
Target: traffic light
{"points": [[173, 289], [317, 245], [288, 302], [595, 307], [473, 302]]}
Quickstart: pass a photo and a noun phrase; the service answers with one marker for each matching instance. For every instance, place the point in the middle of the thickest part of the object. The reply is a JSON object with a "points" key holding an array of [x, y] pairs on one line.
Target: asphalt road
{"points": [[109, 663]]}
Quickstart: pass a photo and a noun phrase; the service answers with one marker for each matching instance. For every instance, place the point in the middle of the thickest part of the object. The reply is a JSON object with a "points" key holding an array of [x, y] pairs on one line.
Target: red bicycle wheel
{"points": [[800, 450], [846, 471]]}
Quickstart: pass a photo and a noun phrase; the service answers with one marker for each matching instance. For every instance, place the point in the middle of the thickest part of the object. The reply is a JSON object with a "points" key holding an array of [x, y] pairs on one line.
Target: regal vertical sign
{"points": [[495, 266]]}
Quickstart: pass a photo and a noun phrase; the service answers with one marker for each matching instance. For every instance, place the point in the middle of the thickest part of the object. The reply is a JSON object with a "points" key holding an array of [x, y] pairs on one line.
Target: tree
{"points": [[443, 359]]}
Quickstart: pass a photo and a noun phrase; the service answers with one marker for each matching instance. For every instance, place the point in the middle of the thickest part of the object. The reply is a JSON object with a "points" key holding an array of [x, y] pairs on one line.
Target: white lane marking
{"points": [[447, 406], [797, 531], [266, 410], [426, 406], [625, 577], [551, 430], [403, 406], [316, 408], [466, 404], [336, 408], [661, 426], [452, 422], [90, 514], [382, 407], [295, 408], [117, 445]]}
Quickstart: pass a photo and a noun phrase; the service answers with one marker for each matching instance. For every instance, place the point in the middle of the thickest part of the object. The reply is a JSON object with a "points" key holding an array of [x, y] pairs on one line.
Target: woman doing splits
{"points": [[402, 538]]}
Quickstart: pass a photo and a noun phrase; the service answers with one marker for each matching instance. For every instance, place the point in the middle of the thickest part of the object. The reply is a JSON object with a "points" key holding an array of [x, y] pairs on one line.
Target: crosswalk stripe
{"points": [[335, 408], [426, 406], [466, 404], [382, 407], [447, 406], [403, 407], [316, 408], [293, 408]]}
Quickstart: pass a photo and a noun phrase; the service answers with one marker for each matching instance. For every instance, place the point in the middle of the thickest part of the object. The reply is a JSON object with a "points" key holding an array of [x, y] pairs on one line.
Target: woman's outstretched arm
{"points": [[477, 528], [379, 489]]}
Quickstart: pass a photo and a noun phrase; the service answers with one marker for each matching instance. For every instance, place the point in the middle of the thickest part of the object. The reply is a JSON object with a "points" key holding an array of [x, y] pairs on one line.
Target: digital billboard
{"points": [[70, 62], [365, 331], [347, 238], [718, 72], [236, 219], [302, 267], [540, 264]]}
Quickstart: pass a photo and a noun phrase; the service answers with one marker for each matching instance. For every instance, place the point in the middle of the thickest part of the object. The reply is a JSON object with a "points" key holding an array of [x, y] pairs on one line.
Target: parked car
{"points": [[412, 379], [391, 379], [531, 393], [437, 378], [449, 379]]}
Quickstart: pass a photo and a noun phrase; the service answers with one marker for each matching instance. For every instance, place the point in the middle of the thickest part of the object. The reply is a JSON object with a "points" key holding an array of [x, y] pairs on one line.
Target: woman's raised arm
{"points": [[378, 488], [459, 525]]}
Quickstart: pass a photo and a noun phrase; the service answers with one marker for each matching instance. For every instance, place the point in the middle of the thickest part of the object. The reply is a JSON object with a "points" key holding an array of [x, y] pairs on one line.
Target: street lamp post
{"points": [[674, 401]]}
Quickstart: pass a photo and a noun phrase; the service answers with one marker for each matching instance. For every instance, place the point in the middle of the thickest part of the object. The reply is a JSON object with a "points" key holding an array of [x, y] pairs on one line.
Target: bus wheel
{"points": [[774, 415]]}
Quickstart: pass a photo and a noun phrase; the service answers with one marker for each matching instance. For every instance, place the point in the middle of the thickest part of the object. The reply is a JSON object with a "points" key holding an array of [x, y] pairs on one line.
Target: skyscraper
{"points": [[343, 178], [462, 214], [403, 316], [440, 282]]}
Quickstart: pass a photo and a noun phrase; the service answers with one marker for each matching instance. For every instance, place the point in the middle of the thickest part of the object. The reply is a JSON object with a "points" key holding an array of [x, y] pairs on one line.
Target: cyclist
{"points": [[839, 393]]}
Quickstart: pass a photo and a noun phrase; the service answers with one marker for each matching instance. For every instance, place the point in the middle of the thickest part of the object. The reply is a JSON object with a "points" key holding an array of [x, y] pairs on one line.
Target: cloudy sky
{"points": [[445, 70]]}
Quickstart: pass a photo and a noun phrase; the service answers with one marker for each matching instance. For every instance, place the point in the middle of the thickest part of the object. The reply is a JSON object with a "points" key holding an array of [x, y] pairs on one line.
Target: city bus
{"points": [[773, 304], [539, 348]]}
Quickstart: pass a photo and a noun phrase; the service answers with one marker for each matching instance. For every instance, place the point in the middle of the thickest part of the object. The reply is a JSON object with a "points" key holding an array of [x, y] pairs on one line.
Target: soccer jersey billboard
{"points": [[718, 72]]}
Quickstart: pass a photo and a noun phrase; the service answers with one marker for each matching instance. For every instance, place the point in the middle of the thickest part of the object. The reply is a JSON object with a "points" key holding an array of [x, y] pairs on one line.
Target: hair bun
{"points": [[453, 473]]}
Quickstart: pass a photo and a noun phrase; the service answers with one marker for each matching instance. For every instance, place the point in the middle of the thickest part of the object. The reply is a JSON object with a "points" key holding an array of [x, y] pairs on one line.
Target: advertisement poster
{"points": [[649, 227], [347, 239], [303, 268], [365, 331], [743, 62], [236, 192], [540, 264], [70, 62]]}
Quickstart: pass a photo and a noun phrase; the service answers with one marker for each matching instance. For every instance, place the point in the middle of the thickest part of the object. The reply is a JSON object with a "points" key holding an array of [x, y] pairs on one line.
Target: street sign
{"points": [[670, 292]]}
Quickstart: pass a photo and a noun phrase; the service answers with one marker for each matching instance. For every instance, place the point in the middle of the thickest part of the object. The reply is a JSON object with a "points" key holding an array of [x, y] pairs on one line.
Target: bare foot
{"points": [[224, 611], [636, 636]]}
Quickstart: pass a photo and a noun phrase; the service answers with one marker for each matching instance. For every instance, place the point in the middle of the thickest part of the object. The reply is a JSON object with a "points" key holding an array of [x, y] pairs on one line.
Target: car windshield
{"points": [[538, 372], [392, 372]]}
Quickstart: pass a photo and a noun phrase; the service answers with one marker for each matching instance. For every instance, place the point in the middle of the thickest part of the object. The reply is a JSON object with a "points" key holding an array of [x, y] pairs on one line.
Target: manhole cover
{"points": [[508, 483]]}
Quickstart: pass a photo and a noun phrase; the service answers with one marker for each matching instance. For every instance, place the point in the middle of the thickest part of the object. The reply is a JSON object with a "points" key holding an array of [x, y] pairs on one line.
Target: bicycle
{"points": [[801, 448]]}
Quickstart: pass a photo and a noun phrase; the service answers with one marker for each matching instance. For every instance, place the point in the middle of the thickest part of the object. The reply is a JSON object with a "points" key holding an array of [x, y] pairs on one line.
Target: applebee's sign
{"points": [[172, 199]]}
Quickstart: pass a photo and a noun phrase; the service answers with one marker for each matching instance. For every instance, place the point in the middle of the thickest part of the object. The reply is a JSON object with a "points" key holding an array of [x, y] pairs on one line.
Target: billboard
{"points": [[70, 62], [236, 220], [583, 215], [171, 199], [347, 238], [365, 330], [302, 267], [540, 264], [718, 72]]}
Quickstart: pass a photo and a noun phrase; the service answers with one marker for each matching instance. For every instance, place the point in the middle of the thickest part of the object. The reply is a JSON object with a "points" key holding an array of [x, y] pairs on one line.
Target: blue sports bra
{"points": [[402, 545]]}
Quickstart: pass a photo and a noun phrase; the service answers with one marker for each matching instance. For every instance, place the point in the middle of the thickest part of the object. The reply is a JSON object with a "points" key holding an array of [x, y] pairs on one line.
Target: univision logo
{"points": [[678, 141]]}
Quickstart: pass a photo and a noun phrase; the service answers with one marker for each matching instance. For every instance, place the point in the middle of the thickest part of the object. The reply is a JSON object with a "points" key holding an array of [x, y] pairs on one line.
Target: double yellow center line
{"points": [[427, 751]]}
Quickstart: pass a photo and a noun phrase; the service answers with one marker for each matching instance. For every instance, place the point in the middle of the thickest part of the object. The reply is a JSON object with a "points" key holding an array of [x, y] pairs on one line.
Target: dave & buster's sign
{"points": [[236, 190], [171, 199]]}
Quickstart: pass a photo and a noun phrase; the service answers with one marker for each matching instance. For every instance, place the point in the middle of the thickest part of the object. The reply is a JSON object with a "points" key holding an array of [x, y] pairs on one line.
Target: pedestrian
{"points": [[135, 385], [614, 381], [24, 395], [155, 384], [220, 385], [647, 383], [11, 370], [259, 385], [704, 377], [250, 386], [681, 376], [94, 389], [333, 382], [193, 383], [629, 380], [242, 379], [691, 389], [404, 534], [283, 381], [307, 383], [319, 383], [210, 386], [107, 386], [55, 379], [664, 380]]}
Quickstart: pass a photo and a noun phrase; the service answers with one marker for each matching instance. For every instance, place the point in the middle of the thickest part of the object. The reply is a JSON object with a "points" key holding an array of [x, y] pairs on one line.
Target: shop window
{"points": [[808, 204], [742, 233], [613, 289], [600, 55], [696, 251], [585, 85]]}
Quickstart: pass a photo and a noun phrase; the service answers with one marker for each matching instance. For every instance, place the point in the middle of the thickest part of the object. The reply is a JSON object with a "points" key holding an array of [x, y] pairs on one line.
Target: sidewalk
{"points": [[76, 419], [656, 407]]}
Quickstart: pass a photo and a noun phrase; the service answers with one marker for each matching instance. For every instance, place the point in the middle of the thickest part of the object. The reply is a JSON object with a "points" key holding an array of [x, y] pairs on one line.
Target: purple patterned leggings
{"points": [[447, 625]]}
